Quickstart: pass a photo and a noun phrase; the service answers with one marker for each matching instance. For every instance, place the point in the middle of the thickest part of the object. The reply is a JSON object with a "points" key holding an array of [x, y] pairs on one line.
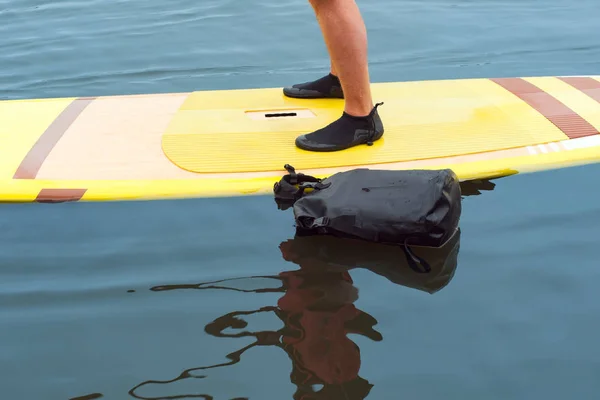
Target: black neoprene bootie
{"points": [[326, 87], [345, 132]]}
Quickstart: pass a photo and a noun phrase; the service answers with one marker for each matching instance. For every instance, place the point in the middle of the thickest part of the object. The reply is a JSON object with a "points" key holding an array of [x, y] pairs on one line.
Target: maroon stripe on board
{"points": [[565, 119], [589, 86], [59, 195], [33, 161]]}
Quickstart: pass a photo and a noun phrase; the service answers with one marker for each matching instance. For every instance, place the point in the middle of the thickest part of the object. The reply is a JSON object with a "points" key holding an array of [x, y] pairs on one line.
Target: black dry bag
{"points": [[407, 207]]}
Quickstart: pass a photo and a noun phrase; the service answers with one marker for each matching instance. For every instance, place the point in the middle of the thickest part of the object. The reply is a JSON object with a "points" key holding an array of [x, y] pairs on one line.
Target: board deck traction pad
{"points": [[235, 142]]}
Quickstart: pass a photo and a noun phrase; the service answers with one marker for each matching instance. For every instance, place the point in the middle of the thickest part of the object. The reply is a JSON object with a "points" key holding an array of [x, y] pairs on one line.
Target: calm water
{"points": [[115, 301]]}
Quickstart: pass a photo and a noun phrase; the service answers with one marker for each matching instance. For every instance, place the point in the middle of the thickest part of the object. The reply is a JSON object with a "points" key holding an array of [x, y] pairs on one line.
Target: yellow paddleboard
{"points": [[236, 142]]}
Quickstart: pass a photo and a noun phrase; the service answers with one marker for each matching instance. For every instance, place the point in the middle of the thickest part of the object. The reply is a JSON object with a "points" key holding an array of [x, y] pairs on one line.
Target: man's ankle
{"points": [[360, 110]]}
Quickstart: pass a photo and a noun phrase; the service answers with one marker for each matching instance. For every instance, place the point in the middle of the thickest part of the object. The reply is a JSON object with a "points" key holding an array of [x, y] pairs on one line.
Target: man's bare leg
{"points": [[345, 35]]}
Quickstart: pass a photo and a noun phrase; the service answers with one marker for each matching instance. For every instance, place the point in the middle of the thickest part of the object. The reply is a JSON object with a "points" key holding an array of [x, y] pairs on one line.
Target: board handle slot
{"points": [[281, 114], [275, 114]]}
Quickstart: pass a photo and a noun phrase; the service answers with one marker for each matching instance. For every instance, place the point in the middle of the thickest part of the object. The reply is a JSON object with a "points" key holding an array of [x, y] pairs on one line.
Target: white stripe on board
{"points": [[554, 146], [581, 143], [571, 144]]}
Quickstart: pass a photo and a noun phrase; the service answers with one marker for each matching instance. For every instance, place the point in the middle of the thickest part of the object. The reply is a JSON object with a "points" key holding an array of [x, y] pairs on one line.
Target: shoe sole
{"points": [[307, 94], [329, 149]]}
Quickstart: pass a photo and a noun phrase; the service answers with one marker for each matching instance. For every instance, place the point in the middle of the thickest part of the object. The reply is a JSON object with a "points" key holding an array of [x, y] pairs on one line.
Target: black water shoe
{"points": [[347, 131], [326, 87]]}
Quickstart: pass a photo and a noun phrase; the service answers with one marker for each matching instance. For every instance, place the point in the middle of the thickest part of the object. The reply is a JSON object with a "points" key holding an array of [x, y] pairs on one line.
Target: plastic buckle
{"points": [[293, 175]]}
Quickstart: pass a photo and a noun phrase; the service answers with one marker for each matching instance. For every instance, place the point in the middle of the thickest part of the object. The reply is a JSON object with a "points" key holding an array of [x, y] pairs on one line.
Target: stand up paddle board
{"points": [[236, 142]]}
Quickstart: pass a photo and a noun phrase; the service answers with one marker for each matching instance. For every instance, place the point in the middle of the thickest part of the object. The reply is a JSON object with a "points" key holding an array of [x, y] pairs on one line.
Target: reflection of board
{"points": [[235, 142]]}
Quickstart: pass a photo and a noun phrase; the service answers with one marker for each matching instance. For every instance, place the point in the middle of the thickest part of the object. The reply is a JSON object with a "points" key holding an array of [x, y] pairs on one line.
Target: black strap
{"points": [[292, 186]]}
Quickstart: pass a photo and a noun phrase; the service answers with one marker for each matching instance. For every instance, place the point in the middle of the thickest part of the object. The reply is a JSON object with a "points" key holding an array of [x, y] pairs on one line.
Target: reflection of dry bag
{"points": [[432, 270], [416, 207]]}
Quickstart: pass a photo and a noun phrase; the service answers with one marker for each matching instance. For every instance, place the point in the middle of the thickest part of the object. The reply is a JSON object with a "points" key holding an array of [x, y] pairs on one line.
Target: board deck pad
{"points": [[212, 132], [236, 142]]}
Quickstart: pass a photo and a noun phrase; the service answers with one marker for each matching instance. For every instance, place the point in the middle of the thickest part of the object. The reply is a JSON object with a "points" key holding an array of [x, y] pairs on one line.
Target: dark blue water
{"points": [[115, 299]]}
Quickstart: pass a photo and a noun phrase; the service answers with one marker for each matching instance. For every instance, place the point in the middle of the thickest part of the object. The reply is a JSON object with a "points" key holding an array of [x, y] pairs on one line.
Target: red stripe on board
{"points": [[589, 86], [33, 161], [565, 119], [59, 195]]}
